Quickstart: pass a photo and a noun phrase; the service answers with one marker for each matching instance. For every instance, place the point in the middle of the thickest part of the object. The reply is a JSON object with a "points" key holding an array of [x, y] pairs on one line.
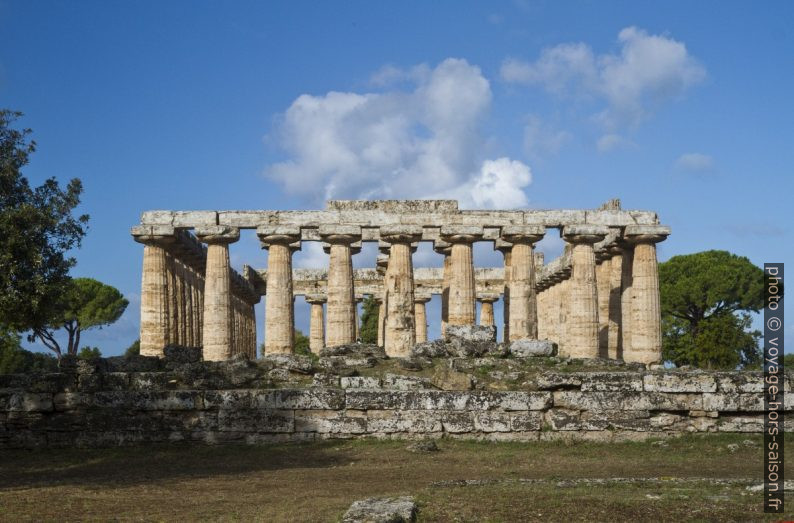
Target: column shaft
{"points": [[341, 312], [316, 329], [603, 282], [420, 318], [614, 348], [582, 337], [646, 328], [523, 305], [462, 308], [279, 314], [154, 301], [400, 333], [217, 328], [486, 313]]}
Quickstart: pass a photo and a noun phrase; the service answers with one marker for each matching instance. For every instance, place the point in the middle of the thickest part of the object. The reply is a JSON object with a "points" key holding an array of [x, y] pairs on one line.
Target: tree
{"points": [[37, 229], [705, 300], [301, 343], [89, 353], [87, 304], [134, 349], [14, 359], [369, 321]]}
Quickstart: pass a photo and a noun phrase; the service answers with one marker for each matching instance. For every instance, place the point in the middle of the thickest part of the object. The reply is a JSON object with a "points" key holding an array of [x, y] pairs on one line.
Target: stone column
{"points": [[341, 311], [381, 319], [190, 340], [173, 303], [279, 312], [646, 316], [154, 290], [506, 248], [398, 287], [627, 260], [420, 316], [217, 327], [582, 328], [614, 347], [462, 306], [486, 307], [181, 309], [603, 282], [445, 249], [198, 309], [317, 322], [358, 299], [523, 302]]}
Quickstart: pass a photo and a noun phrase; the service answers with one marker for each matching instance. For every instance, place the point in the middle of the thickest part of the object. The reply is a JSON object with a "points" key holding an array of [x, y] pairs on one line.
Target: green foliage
{"points": [[87, 304], [369, 321], [37, 229], [788, 360], [705, 300], [16, 360], [301, 343], [89, 353], [134, 349]]}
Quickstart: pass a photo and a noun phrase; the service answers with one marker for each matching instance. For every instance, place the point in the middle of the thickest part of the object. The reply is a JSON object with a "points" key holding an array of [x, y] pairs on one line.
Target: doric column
{"points": [[217, 327], [341, 304], [358, 299], [398, 288], [582, 322], [614, 347], [154, 290], [317, 322], [603, 282], [381, 319], [420, 316], [445, 249], [190, 340], [462, 305], [627, 260], [646, 317], [181, 308], [523, 303], [173, 302], [486, 307], [506, 248], [279, 313]]}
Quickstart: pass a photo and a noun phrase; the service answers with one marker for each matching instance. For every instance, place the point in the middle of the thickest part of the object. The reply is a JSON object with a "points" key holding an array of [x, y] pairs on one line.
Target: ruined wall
{"points": [[89, 406]]}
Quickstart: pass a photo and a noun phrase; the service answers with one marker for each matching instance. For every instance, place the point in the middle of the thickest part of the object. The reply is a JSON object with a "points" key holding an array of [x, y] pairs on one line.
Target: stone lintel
{"points": [[502, 246], [582, 233], [523, 233], [161, 235], [394, 206], [342, 234], [217, 234], [646, 233], [279, 235]]}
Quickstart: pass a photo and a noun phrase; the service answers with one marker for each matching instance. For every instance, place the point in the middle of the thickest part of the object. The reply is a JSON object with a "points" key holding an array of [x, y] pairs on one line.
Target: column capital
{"points": [[340, 234], [400, 233], [523, 233], [217, 234], [278, 235], [355, 247], [461, 233], [382, 261], [487, 297], [646, 233], [586, 234], [422, 298], [159, 235], [442, 247], [315, 299]]}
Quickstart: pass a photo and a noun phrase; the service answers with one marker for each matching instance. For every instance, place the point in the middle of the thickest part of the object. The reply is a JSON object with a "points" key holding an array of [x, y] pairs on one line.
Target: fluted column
{"points": [[420, 317], [523, 302], [155, 326], [279, 312], [582, 331], [398, 285], [190, 340], [614, 346], [173, 302], [646, 317], [445, 249], [603, 282], [462, 305], [217, 327], [486, 307], [506, 248], [381, 319], [181, 309], [316, 322], [627, 261], [341, 304]]}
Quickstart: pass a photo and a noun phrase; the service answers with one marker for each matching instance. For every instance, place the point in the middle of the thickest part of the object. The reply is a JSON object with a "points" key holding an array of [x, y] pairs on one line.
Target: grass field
{"points": [[700, 478]]}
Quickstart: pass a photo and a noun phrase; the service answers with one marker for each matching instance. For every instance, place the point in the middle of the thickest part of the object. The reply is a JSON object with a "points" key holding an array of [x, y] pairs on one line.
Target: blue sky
{"points": [[679, 107]]}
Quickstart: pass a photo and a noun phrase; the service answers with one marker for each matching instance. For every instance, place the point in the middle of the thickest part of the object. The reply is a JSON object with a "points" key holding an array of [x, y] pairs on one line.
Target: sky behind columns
{"points": [[683, 108]]}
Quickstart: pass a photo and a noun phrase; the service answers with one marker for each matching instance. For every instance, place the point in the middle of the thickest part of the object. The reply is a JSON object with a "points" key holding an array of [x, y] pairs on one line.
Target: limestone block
{"points": [[301, 399], [259, 420], [733, 382], [194, 218], [157, 218], [471, 333], [674, 382], [400, 382], [490, 421], [247, 219], [558, 381], [149, 380], [563, 419], [742, 423], [633, 420], [526, 348], [613, 381], [291, 362], [411, 421], [446, 378], [627, 400], [228, 399], [554, 218], [457, 422], [331, 422], [63, 401], [430, 349], [748, 402], [526, 421], [30, 402], [372, 510], [360, 382], [149, 400], [647, 230]]}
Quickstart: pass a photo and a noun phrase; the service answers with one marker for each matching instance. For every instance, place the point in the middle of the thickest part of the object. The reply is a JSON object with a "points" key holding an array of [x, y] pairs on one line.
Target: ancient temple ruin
{"points": [[600, 298]]}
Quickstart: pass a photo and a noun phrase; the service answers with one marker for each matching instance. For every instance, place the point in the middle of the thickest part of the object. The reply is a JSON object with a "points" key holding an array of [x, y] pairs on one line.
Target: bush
{"points": [[89, 353], [16, 360], [134, 349]]}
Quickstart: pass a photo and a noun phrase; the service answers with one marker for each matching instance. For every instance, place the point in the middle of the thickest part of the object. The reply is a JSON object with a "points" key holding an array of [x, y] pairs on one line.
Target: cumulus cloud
{"points": [[695, 162], [421, 142], [610, 142], [648, 70]]}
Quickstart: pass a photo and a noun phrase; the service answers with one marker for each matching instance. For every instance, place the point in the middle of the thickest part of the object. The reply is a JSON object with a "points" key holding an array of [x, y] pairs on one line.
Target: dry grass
{"points": [[318, 481]]}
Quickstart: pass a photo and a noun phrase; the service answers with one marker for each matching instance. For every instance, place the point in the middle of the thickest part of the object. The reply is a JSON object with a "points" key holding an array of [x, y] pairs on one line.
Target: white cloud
{"points": [[648, 70], [498, 185], [541, 139], [423, 142], [696, 162], [610, 142]]}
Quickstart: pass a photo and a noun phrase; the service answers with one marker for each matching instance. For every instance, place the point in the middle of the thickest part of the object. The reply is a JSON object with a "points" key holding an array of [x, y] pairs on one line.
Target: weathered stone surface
{"points": [[174, 354], [446, 378], [360, 382], [611, 381], [406, 421], [559, 381], [430, 349], [291, 362], [309, 399], [381, 510], [733, 402], [627, 400], [471, 333], [355, 350], [526, 348], [399, 382], [675, 382], [331, 422]]}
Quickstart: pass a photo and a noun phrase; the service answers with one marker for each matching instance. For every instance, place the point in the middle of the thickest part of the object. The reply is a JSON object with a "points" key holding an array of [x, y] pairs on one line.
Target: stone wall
{"points": [[219, 402]]}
